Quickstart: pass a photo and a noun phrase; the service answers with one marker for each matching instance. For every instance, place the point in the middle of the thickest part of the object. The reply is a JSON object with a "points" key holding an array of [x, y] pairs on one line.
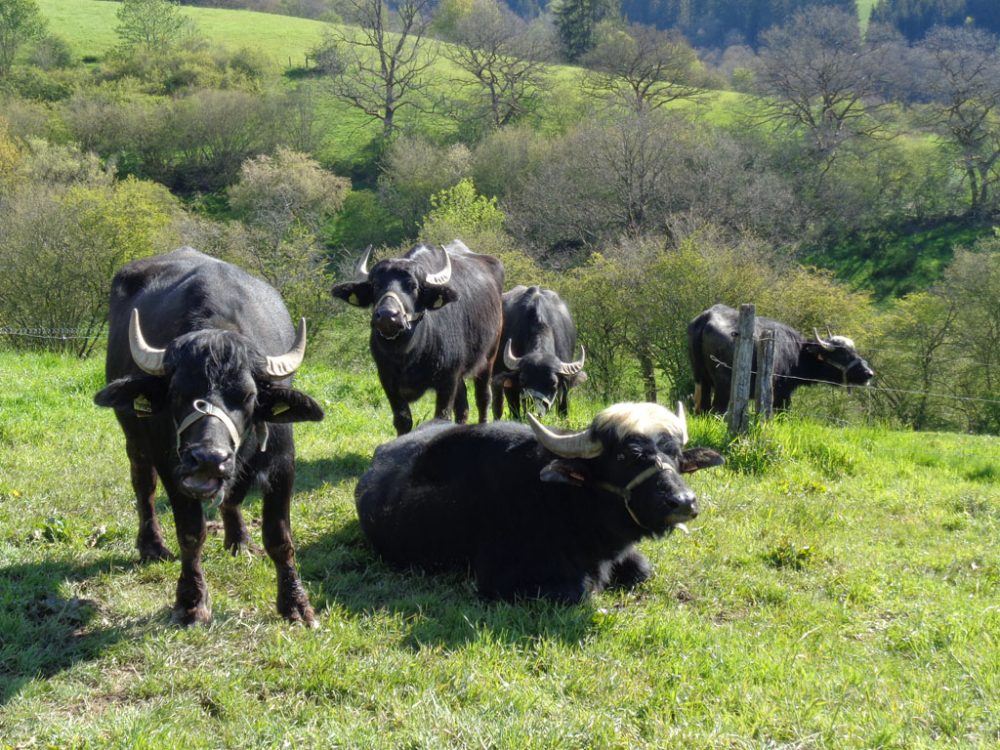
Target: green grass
{"points": [[894, 261], [839, 589]]}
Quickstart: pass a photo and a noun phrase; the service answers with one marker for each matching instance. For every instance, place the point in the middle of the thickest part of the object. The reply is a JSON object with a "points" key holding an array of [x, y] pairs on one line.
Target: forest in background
{"points": [[826, 175]]}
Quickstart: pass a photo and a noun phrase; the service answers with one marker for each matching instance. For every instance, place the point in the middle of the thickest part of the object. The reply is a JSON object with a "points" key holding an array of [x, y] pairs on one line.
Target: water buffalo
{"points": [[537, 341], [531, 512], [202, 390], [436, 318], [797, 360]]}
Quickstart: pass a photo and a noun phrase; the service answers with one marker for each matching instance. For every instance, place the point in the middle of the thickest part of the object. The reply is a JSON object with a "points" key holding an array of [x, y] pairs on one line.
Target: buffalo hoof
{"points": [[244, 546], [185, 616], [154, 551], [298, 610], [629, 571]]}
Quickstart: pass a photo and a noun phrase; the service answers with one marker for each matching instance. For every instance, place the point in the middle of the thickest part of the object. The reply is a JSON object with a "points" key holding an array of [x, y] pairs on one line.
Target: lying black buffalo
{"points": [[436, 317], [797, 360], [538, 340], [533, 513], [202, 393]]}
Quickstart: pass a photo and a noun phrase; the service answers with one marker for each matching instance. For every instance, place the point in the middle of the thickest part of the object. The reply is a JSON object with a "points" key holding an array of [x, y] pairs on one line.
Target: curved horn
{"points": [[820, 341], [580, 445], [572, 368], [285, 365], [684, 423], [829, 331], [149, 358], [441, 277], [512, 362], [362, 268]]}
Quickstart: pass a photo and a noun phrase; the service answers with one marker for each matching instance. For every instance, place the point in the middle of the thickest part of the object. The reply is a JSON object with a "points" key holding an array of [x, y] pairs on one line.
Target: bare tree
{"points": [[505, 62], [379, 68], [641, 66], [818, 76], [962, 81]]}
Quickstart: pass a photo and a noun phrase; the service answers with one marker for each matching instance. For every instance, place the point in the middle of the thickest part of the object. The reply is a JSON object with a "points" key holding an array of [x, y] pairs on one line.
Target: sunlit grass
{"points": [[839, 589]]}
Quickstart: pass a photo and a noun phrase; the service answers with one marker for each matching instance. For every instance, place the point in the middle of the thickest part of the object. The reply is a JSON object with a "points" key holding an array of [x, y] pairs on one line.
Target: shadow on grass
{"points": [[311, 474], [440, 609], [42, 631]]}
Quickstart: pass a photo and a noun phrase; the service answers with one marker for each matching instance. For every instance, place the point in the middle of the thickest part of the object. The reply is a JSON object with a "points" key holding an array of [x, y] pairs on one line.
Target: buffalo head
{"points": [[636, 452], [838, 353], [217, 388], [539, 376], [400, 290]]}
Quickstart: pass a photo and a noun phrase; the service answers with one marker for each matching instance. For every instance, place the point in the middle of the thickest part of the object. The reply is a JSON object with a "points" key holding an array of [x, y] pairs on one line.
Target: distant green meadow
{"points": [[840, 589]]}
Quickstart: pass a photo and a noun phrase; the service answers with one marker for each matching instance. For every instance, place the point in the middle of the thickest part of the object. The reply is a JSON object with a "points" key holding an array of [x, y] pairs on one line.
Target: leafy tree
{"points": [[576, 20], [414, 170], [150, 25], [380, 69], [20, 22], [66, 230], [278, 192], [641, 67]]}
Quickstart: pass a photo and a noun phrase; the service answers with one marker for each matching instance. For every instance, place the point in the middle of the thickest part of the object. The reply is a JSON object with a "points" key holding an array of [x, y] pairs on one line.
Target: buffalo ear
{"points": [[699, 458], [283, 405], [357, 293], [139, 395], [433, 297], [565, 471]]}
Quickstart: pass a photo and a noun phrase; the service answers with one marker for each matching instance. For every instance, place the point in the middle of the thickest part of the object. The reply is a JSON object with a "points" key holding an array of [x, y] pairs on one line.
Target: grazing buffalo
{"points": [[436, 317], [202, 390], [797, 360], [531, 512], [537, 341]]}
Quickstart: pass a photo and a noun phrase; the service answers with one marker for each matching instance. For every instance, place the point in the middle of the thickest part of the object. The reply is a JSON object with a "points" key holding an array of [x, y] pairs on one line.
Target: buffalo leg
{"points": [[293, 602], [562, 400], [483, 395], [447, 393], [402, 419], [150, 538], [497, 398], [191, 605], [461, 403], [236, 538], [629, 570]]}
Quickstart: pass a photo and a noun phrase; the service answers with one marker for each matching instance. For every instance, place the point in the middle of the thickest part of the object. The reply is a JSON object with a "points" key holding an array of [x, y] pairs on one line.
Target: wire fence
{"points": [[873, 388]]}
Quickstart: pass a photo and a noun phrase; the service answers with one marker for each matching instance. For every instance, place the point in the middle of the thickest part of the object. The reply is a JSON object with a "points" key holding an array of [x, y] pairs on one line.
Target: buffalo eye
{"points": [[620, 457]]}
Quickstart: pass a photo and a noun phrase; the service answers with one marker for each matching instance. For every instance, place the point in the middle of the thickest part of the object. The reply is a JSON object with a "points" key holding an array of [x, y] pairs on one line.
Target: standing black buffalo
{"points": [[208, 413], [711, 344], [533, 513], [435, 321], [538, 340]]}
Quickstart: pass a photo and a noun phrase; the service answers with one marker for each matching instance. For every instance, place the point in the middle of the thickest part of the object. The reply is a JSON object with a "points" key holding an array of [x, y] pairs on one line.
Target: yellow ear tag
{"points": [[437, 303], [279, 409], [142, 407], [353, 299]]}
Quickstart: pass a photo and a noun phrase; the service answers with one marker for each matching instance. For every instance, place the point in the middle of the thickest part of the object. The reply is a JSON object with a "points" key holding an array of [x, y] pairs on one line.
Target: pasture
{"points": [[839, 590]]}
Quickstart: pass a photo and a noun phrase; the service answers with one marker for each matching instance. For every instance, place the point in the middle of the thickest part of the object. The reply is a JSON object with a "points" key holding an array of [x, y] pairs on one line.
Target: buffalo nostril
{"points": [[217, 459]]}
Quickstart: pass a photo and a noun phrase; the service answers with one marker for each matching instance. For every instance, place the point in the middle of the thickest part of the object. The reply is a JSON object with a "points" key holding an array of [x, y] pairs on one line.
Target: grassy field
{"points": [[840, 589]]}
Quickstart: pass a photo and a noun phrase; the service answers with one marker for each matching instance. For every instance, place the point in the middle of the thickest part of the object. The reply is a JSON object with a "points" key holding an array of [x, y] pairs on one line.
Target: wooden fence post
{"points": [[739, 395], [765, 374]]}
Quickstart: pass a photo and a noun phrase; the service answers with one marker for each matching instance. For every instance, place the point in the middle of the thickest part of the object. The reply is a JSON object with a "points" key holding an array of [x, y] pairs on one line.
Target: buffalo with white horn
{"points": [[436, 317], [199, 366], [531, 512], [538, 343], [797, 360]]}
